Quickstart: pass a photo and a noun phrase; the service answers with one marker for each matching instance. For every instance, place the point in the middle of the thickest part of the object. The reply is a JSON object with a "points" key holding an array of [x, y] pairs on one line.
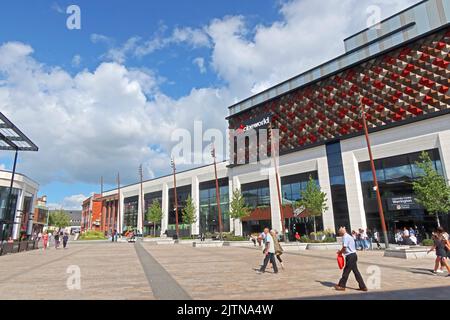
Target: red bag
{"points": [[340, 261]]}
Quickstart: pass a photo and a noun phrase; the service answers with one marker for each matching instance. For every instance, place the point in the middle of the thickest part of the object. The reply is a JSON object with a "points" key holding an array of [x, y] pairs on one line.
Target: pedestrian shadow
{"points": [[421, 271], [326, 283]]}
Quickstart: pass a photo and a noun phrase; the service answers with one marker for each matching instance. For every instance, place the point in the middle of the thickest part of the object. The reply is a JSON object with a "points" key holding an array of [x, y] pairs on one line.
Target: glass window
{"points": [[208, 206]]}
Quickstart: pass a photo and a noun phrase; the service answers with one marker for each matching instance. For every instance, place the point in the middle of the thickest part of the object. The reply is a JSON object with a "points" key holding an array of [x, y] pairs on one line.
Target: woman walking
{"points": [[441, 246], [65, 240], [278, 248], [45, 240], [56, 240]]}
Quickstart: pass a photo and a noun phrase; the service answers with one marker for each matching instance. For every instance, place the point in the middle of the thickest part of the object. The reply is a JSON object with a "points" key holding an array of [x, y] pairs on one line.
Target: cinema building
{"points": [[400, 71]]}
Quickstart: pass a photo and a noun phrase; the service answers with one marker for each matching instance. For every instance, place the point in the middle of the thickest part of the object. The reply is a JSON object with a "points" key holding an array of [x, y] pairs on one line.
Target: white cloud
{"points": [[76, 60], [200, 63], [194, 37], [56, 7], [73, 202], [95, 123]]}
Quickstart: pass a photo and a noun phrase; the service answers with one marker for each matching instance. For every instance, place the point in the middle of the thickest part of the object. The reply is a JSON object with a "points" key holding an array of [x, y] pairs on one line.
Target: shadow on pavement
{"points": [[436, 293]]}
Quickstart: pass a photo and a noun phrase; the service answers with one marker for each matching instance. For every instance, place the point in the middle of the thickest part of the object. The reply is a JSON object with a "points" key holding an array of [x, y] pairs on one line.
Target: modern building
{"points": [[18, 209], [398, 69], [91, 214], [41, 212]]}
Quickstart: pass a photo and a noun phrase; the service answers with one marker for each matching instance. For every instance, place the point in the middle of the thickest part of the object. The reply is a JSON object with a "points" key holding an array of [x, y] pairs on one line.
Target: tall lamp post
{"points": [[141, 176], [280, 201], [374, 174], [219, 209], [172, 164]]}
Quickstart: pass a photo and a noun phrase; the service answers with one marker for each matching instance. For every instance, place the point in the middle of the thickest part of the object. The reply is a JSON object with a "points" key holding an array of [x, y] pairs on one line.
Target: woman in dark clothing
{"points": [[65, 240], [441, 253]]}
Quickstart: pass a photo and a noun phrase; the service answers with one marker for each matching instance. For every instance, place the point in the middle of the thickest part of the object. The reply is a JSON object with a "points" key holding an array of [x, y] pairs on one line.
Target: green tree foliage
{"points": [[154, 214], [59, 219], [431, 190], [238, 209], [188, 213], [313, 200]]}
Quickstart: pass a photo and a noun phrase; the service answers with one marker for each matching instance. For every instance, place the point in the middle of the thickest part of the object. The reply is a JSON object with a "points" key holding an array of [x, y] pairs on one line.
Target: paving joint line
{"points": [[163, 285]]}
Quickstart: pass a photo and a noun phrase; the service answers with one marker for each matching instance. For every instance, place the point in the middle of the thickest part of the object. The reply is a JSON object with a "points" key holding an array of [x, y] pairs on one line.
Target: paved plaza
{"points": [[146, 271]]}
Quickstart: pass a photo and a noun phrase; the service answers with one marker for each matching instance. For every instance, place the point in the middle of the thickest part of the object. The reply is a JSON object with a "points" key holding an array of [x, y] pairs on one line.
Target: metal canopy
{"points": [[11, 138]]}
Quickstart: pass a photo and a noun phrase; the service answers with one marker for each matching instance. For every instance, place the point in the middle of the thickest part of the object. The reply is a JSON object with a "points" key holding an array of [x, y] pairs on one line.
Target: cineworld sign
{"points": [[260, 123]]}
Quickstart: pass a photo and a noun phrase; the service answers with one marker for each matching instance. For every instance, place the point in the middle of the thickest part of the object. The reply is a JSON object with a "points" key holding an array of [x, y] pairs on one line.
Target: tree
{"points": [[59, 219], [431, 190], [313, 200], [154, 214], [238, 208], [189, 212]]}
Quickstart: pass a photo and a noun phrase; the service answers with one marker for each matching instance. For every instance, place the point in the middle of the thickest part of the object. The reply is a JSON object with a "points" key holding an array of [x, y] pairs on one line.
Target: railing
{"points": [[18, 246]]}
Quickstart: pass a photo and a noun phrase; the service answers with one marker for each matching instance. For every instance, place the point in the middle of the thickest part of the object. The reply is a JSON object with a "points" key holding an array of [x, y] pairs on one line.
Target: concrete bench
{"points": [[293, 246], [245, 243]]}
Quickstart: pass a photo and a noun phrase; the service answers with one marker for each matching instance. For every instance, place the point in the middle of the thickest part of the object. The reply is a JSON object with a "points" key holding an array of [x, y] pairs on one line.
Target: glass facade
{"points": [[256, 194], [7, 216], [395, 176], [337, 184], [148, 200], [208, 206], [182, 194], [292, 187], [130, 212], [257, 198]]}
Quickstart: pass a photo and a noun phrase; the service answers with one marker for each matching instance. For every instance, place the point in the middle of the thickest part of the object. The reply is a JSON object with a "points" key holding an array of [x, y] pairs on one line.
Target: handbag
{"points": [[340, 261]]}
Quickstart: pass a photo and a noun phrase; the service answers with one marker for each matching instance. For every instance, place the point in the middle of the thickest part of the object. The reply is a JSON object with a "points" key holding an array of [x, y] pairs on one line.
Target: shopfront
{"points": [[130, 213], [209, 215], [395, 176], [292, 187], [149, 226], [257, 199]]}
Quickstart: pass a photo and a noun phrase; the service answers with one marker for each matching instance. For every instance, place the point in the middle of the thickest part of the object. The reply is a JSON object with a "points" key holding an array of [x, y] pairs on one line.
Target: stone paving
{"points": [[134, 271]]}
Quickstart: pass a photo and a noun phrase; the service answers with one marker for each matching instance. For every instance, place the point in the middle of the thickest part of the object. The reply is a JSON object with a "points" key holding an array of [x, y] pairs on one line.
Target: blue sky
{"points": [[109, 97]]}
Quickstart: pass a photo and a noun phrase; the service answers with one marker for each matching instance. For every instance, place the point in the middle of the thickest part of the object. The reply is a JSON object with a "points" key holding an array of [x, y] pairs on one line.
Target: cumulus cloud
{"points": [[76, 60], [73, 202], [95, 123], [200, 63]]}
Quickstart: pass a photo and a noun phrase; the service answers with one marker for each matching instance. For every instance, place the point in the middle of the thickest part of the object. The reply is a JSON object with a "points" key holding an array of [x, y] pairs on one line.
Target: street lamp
{"points": [[219, 209], [280, 201], [374, 174], [172, 164]]}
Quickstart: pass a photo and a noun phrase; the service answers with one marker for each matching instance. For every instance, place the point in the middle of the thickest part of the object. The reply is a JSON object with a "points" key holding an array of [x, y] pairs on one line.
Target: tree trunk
{"points": [[315, 230], [437, 220]]}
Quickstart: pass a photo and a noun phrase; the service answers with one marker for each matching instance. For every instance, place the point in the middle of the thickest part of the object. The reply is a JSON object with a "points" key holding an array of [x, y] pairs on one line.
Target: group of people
{"points": [[365, 238], [57, 236], [407, 236], [271, 249]]}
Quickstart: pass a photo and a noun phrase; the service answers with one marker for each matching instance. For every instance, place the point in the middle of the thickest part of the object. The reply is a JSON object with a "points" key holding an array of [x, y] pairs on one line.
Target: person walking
{"points": [[65, 240], [441, 246], [56, 240], [45, 240], [278, 248], [351, 261], [269, 252], [376, 238]]}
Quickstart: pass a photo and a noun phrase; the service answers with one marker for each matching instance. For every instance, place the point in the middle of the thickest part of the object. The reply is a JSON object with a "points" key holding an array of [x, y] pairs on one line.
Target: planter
{"points": [[294, 246], [207, 244], [244, 243], [409, 253], [324, 246]]}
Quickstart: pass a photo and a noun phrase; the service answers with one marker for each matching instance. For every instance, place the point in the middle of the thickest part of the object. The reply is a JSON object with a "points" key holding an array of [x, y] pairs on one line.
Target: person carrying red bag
{"points": [[351, 259]]}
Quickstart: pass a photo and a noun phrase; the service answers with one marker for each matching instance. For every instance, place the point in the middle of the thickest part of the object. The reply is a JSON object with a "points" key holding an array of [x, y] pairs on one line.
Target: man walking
{"points": [[269, 252], [351, 259]]}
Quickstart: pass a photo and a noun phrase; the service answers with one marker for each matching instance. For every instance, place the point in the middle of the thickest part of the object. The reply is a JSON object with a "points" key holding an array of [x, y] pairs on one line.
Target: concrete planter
{"points": [[187, 242], [244, 243], [324, 246], [294, 246], [207, 244], [406, 252]]}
